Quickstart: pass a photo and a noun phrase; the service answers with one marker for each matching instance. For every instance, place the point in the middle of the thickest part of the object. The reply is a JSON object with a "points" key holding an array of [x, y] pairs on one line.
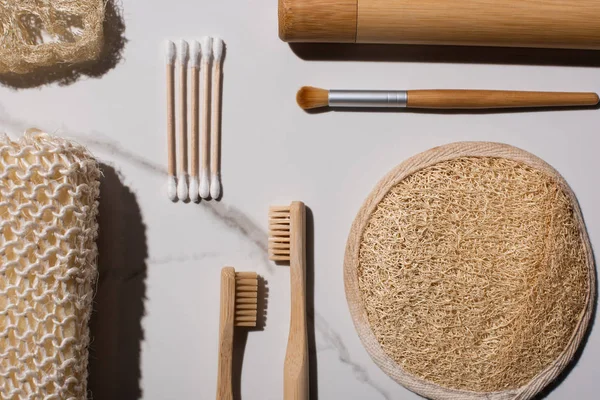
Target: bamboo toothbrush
{"points": [[182, 188], [239, 308], [194, 71], [206, 44], [287, 243], [215, 131], [311, 97], [171, 141]]}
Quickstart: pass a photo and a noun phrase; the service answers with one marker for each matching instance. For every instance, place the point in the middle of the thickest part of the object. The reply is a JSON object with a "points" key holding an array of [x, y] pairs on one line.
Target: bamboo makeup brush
{"points": [[239, 308], [182, 188], [287, 243], [206, 44], [195, 78], [215, 131], [311, 97], [171, 56]]}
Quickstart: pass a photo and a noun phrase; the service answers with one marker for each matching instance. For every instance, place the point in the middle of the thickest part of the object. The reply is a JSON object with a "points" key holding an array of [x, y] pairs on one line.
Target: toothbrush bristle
{"points": [[279, 233], [246, 299]]}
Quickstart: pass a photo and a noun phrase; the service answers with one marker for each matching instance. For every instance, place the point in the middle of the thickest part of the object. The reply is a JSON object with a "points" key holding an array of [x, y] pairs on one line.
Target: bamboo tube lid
{"points": [[318, 20]]}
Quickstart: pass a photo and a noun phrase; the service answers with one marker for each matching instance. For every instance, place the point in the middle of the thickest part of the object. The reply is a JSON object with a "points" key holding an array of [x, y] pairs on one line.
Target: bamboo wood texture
{"points": [[512, 23], [226, 329], [205, 129], [215, 139], [486, 99], [171, 129], [183, 160], [195, 121], [296, 381]]}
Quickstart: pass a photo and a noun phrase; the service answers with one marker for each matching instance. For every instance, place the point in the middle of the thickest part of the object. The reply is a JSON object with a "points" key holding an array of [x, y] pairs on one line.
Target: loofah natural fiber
{"points": [[48, 206], [469, 273], [44, 33]]}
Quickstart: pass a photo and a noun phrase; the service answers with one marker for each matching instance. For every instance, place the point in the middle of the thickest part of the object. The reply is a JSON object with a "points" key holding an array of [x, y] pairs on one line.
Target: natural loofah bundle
{"points": [[44, 33], [48, 205], [469, 273]]}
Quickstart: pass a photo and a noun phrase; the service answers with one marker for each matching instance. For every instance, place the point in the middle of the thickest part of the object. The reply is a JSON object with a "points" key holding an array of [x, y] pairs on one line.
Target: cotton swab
{"points": [[182, 187], [171, 57], [194, 69], [206, 44], [215, 140]]}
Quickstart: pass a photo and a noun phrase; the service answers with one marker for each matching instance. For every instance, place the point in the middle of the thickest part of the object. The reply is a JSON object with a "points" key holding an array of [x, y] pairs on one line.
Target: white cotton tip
{"points": [[215, 186], [184, 52], [194, 195], [171, 52], [218, 48], [172, 188], [206, 44], [204, 185], [195, 54], [182, 187]]}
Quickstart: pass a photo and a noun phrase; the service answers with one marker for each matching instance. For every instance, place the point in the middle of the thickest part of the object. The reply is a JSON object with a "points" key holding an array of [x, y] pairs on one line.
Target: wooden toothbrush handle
{"points": [[224, 380], [481, 99], [295, 372]]}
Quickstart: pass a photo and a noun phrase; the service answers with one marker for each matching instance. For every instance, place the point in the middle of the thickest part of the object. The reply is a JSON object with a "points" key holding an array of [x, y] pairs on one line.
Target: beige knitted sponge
{"points": [[48, 206], [44, 33], [469, 273]]}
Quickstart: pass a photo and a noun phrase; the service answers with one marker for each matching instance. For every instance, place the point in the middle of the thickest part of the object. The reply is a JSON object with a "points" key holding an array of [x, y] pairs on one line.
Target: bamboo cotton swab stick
{"points": [[215, 139], [182, 188], [171, 56], [206, 44], [194, 70]]}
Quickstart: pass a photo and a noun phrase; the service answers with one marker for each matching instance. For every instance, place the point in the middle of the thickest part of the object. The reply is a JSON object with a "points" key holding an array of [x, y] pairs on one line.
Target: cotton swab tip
{"points": [[206, 45], [218, 47], [204, 185], [194, 189], [182, 187], [184, 52], [171, 52], [172, 188], [195, 53], [215, 186]]}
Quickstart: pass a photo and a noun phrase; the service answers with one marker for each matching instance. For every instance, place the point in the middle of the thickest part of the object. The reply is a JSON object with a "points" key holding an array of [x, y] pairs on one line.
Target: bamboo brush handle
{"points": [[171, 128], [183, 159], [482, 99], [295, 379], [215, 119], [514, 23], [226, 327], [205, 139], [195, 120]]}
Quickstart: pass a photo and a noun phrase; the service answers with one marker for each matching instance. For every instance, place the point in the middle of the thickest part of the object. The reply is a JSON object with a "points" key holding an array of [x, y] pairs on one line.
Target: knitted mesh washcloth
{"points": [[48, 206], [469, 273], [43, 33]]}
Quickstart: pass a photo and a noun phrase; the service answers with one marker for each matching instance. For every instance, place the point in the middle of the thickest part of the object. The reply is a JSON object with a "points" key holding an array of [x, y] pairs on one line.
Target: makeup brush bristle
{"points": [[309, 97]]}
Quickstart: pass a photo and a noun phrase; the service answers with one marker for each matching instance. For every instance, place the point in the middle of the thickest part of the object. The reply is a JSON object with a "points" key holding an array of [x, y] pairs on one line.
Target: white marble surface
{"points": [[274, 153]]}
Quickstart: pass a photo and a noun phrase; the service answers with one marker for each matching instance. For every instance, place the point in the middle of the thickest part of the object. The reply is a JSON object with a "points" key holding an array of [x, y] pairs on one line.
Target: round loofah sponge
{"points": [[469, 273]]}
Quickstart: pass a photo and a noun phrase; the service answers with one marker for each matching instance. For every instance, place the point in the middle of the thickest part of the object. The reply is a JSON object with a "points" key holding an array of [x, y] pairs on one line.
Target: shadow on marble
{"points": [[310, 304], [115, 325], [241, 337], [65, 74], [444, 54]]}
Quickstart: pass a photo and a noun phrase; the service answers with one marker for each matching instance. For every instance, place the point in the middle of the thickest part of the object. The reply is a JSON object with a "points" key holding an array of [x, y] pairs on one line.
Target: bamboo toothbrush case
{"points": [[469, 273], [512, 23]]}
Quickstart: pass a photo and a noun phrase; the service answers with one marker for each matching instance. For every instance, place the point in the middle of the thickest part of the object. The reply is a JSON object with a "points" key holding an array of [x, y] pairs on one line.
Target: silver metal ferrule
{"points": [[368, 98]]}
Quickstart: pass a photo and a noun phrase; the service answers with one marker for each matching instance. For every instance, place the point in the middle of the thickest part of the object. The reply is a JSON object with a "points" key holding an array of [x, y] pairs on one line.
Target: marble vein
{"points": [[233, 219]]}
